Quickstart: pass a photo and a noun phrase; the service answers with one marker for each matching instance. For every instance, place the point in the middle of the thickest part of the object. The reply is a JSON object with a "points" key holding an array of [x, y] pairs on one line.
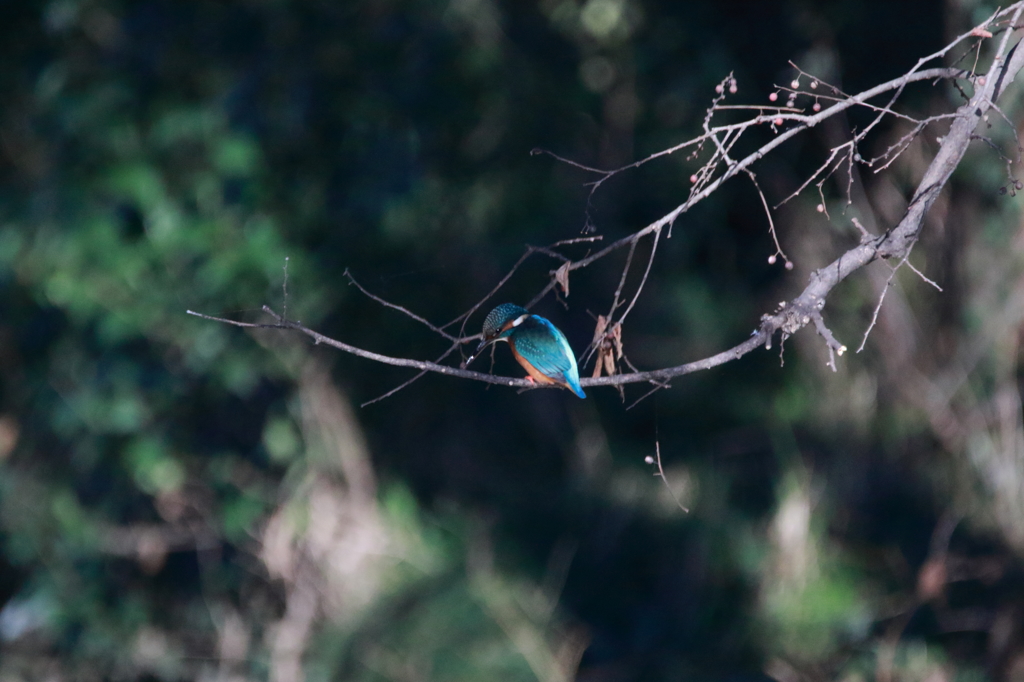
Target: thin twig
{"points": [[768, 213], [922, 276], [530, 250], [643, 280], [661, 474], [401, 309], [622, 281], [419, 375]]}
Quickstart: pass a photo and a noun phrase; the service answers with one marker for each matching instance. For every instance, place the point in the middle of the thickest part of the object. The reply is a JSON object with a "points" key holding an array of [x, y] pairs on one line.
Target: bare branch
{"points": [[896, 243], [319, 338], [804, 122]]}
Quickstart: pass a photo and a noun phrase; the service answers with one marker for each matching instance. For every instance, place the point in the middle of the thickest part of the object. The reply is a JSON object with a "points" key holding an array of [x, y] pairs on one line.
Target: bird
{"points": [[539, 346]]}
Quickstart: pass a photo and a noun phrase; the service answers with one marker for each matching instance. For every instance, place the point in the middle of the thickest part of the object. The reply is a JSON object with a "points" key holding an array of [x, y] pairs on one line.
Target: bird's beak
{"points": [[471, 358]]}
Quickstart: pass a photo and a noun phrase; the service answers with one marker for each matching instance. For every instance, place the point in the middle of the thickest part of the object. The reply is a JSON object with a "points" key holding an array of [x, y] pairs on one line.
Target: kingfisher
{"points": [[539, 346]]}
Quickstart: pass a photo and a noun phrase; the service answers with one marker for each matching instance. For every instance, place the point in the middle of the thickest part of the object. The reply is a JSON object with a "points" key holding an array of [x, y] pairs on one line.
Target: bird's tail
{"points": [[574, 385]]}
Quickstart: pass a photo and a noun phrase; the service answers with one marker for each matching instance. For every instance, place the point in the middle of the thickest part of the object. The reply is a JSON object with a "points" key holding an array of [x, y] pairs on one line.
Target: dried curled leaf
{"points": [[602, 324], [608, 341], [562, 277]]}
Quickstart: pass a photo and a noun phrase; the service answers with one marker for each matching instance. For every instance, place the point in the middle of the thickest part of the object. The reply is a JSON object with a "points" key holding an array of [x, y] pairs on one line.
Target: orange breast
{"points": [[530, 369]]}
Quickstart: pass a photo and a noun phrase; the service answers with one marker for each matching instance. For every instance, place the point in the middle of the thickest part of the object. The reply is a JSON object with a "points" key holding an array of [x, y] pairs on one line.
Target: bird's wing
{"points": [[533, 339]]}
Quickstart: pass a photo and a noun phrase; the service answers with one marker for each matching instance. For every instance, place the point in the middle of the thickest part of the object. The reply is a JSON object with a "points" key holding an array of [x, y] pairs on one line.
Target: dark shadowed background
{"points": [[182, 500]]}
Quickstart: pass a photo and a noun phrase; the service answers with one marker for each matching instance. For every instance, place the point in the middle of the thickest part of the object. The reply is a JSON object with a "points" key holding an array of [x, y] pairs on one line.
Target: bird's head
{"points": [[500, 322]]}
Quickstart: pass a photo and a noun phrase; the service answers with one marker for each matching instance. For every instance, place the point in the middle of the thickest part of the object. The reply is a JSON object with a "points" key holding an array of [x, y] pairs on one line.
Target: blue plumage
{"points": [[539, 346]]}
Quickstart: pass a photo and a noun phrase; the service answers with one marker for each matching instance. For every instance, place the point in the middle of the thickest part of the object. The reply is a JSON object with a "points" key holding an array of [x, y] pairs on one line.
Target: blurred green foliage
{"points": [[184, 500]]}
